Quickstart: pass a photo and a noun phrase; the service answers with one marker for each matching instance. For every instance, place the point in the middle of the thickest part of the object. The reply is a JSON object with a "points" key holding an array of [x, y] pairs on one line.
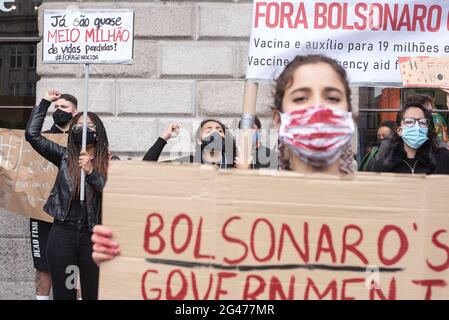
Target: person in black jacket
{"points": [[69, 244], [66, 107], [385, 132], [414, 147], [262, 157], [213, 144]]}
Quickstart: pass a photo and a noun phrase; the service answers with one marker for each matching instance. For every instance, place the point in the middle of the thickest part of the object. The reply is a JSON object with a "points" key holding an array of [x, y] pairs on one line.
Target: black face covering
{"points": [[61, 118], [213, 143], [91, 137], [385, 139]]}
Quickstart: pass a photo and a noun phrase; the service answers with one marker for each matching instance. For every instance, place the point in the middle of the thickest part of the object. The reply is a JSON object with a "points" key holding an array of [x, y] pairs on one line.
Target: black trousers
{"points": [[69, 250]]}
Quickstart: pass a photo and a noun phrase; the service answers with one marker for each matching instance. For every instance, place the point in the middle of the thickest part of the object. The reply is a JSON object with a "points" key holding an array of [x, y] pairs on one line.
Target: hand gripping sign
{"points": [[191, 232], [86, 36]]}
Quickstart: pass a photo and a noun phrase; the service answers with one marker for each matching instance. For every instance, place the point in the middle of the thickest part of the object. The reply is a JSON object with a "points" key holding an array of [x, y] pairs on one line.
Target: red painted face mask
{"points": [[317, 135]]}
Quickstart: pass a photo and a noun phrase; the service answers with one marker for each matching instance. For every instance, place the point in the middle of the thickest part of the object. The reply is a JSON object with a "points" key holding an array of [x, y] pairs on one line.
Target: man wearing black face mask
{"points": [[384, 135], [213, 144], [66, 107], [65, 110]]}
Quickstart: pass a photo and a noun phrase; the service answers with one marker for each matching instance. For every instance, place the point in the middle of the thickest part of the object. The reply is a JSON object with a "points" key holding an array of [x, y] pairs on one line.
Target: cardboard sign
{"points": [[26, 178], [191, 232], [424, 71], [88, 36], [365, 37]]}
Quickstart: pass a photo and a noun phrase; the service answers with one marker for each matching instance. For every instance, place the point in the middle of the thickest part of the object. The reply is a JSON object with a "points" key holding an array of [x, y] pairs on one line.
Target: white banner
{"points": [[366, 37], [88, 36]]}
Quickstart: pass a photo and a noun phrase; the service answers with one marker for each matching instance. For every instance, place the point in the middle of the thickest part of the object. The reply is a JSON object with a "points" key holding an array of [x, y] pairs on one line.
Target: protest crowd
{"points": [[312, 112]]}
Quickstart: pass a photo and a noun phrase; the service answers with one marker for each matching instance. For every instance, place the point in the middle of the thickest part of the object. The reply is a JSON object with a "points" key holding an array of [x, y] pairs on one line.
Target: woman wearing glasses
{"points": [[69, 249], [414, 147]]}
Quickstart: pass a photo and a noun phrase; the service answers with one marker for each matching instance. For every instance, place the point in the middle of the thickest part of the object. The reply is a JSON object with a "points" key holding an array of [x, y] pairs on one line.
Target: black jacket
{"points": [[264, 157], [429, 160], [59, 201]]}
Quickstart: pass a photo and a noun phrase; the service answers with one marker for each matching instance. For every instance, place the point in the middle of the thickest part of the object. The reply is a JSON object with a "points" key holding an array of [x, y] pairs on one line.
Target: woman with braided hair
{"points": [[69, 247]]}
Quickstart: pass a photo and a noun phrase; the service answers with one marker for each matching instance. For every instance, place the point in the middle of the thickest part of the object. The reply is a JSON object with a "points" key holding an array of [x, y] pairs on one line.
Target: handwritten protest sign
{"points": [[424, 71], [191, 232], [26, 178], [88, 36], [365, 37]]}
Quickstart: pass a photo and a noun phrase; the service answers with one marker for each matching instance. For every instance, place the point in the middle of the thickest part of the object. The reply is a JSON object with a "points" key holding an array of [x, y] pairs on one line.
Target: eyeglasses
{"points": [[410, 122], [385, 136], [79, 127]]}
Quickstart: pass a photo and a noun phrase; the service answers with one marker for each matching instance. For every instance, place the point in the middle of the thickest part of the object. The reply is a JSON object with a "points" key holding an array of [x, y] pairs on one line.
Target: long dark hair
{"points": [[228, 137], [101, 156]]}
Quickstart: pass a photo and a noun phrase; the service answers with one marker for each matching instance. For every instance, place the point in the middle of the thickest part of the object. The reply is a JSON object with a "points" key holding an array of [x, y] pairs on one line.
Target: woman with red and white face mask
{"points": [[312, 111]]}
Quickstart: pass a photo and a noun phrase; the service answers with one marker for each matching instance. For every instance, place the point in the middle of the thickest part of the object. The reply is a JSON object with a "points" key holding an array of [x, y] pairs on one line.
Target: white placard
{"points": [[366, 37], [88, 36]]}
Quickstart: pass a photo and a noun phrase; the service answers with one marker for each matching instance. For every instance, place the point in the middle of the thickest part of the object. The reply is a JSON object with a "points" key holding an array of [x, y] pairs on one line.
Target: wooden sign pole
{"points": [[84, 146], [247, 123]]}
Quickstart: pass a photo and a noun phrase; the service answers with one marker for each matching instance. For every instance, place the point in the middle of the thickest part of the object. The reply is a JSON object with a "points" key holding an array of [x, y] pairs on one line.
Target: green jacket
{"points": [[440, 127], [367, 159]]}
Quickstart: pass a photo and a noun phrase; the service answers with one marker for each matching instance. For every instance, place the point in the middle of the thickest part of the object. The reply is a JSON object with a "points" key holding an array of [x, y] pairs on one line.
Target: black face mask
{"points": [[91, 137], [385, 139], [214, 142], [61, 118]]}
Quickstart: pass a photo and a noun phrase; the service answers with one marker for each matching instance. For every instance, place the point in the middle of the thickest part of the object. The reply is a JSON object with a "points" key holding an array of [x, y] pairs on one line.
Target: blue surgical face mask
{"points": [[414, 136]]}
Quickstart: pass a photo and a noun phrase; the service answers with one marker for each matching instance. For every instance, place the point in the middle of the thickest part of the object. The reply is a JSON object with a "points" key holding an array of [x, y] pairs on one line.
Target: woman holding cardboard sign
{"points": [[69, 248], [312, 112]]}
